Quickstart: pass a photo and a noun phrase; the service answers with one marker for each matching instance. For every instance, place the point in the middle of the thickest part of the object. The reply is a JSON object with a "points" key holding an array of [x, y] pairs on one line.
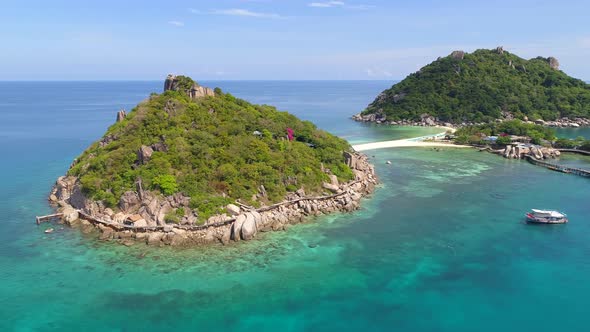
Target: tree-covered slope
{"points": [[479, 86], [214, 149]]}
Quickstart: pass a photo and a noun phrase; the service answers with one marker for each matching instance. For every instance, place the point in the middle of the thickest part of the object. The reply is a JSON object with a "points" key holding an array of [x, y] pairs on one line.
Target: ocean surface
{"points": [[441, 245]]}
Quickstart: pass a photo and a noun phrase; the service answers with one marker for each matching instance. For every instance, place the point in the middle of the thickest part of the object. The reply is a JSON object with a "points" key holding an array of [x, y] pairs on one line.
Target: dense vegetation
{"points": [[476, 134], [217, 149], [483, 84]]}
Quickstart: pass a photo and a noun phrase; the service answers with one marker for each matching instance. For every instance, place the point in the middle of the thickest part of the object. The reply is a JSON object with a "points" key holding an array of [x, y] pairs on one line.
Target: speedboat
{"points": [[546, 217]]}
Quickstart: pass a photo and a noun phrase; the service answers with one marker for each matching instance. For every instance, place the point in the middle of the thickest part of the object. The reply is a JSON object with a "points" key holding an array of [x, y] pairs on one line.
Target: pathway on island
{"points": [[409, 142]]}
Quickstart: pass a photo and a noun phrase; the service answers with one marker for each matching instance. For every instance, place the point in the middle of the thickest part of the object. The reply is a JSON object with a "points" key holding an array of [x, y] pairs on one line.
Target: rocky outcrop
{"points": [[232, 209], [378, 117], [121, 115], [567, 123], [129, 201], [426, 120], [249, 229], [194, 92], [144, 154], [458, 55], [553, 63], [535, 151]]}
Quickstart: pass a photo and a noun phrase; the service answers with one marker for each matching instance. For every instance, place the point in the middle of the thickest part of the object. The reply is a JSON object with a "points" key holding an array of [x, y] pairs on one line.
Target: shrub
{"points": [[166, 183]]}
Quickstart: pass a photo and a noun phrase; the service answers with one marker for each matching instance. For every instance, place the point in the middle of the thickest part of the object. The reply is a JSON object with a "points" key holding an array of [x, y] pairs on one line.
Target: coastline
{"points": [[242, 224], [410, 142]]}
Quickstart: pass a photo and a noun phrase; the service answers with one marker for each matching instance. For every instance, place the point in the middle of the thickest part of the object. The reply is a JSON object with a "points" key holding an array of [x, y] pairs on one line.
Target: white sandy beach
{"points": [[408, 142]]}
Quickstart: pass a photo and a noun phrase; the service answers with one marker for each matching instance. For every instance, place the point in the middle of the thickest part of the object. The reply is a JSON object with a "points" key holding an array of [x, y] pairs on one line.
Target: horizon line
{"points": [[206, 79]]}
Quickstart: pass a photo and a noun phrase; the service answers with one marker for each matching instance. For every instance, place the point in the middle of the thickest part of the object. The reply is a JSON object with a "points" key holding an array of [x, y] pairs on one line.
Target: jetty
{"points": [[558, 168], [48, 217], [575, 151]]}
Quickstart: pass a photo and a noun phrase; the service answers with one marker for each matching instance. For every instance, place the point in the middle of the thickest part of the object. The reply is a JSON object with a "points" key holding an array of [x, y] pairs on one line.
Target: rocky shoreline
{"points": [[142, 215], [430, 121]]}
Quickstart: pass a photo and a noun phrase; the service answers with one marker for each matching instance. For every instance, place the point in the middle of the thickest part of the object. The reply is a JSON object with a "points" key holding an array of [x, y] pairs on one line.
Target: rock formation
{"points": [[459, 55], [194, 92], [522, 151], [121, 115], [553, 63], [144, 154]]}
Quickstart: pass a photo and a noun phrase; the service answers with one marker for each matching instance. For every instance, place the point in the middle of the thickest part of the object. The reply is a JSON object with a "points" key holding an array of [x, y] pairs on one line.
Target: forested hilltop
{"points": [[209, 146], [483, 86]]}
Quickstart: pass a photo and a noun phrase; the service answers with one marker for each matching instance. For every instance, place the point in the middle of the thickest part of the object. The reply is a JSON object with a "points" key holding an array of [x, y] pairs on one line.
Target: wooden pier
{"points": [[575, 151], [48, 217], [559, 168]]}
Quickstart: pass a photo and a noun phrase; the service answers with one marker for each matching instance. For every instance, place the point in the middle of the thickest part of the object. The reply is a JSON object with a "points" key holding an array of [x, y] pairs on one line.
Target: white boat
{"points": [[546, 217]]}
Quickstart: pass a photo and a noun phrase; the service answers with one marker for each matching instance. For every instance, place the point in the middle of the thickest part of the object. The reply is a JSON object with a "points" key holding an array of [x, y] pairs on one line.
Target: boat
{"points": [[546, 217], [49, 230]]}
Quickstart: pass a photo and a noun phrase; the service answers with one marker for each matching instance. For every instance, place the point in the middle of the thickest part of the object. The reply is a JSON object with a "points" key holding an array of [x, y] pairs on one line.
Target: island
{"points": [[195, 165], [482, 87]]}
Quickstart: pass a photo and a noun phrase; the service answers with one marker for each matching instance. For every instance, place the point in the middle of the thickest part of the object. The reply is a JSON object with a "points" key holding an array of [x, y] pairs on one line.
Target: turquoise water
{"points": [[441, 246], [573, 132], [574, 160]]}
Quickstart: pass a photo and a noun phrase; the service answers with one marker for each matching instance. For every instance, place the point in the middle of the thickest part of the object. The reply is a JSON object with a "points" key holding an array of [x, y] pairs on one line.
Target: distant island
{"points": [[481, 87], [195, 165]]}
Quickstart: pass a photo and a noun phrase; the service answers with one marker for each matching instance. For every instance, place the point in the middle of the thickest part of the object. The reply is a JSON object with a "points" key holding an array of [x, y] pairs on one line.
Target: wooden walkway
{"points": [[574, 151], [559, 168], [117, 226], [48, 217]]}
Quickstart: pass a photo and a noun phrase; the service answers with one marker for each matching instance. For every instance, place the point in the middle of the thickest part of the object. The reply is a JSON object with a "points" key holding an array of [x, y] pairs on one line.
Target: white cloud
{"points": [[327, 4], [237, 12], [339, 4], [176, 23]]}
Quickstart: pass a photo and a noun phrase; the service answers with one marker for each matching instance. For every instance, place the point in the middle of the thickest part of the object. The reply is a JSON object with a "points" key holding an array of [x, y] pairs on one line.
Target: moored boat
{"points": [[546, 217]]}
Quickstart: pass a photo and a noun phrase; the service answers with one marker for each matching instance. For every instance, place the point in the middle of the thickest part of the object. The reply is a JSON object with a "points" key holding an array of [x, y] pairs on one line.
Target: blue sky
{"points": [[272, 39]]}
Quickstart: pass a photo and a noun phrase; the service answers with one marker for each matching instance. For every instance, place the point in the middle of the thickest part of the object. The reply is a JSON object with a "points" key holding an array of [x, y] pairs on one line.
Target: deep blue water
{"points": [[441, 246]]}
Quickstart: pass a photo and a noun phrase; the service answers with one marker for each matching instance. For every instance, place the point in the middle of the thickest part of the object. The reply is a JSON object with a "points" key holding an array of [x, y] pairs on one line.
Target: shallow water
{"points": [[573, 132], [441, 246]]}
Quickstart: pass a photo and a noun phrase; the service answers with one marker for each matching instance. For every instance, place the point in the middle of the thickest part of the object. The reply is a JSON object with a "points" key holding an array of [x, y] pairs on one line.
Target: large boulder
{"points": [[70, 215], [140, 223], [553, 63], [333, 179], [129, 201], [232, 210], [350, 159], [121, 115], [64, 187], [507, 151], [330, 187], [236, 227], [144, 154], [249, 227], [155, 238], [458, 55]]}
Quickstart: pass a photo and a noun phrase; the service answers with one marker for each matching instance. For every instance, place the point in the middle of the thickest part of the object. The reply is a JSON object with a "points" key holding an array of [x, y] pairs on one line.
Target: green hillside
{"points": [[479, 86], [214, 149]]}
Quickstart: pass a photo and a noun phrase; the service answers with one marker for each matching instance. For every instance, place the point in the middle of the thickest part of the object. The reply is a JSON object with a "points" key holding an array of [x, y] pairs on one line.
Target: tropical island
{"points": [[481, 87], [490, 99], [195, 165]]}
